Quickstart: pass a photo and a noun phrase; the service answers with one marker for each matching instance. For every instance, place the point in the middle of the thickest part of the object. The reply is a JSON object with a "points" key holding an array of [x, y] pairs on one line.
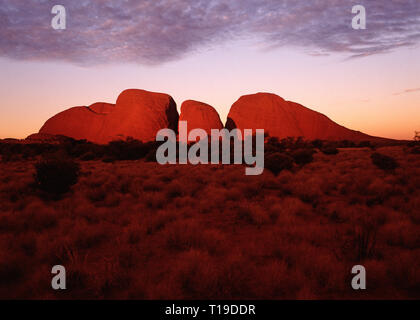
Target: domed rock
{"points": [[282, 119], [77, 123], [138, 114], [102, 107], [200, 115]]}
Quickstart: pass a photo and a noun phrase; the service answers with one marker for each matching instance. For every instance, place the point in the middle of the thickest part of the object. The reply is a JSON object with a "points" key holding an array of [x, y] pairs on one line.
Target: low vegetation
{"points": [[135, 229]]}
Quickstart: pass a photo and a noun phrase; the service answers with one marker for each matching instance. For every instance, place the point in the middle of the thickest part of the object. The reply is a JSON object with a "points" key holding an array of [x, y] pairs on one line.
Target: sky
{"points": [[214, 51]]}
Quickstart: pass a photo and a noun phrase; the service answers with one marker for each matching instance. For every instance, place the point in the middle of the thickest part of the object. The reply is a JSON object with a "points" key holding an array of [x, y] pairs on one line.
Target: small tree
{"points": [[276, 162], [55, 176]]}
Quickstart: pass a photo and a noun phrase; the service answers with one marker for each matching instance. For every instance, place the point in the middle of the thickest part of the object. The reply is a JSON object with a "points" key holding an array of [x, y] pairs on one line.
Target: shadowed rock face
{"points": [[138, 114], [200, 115], [282, 119]]}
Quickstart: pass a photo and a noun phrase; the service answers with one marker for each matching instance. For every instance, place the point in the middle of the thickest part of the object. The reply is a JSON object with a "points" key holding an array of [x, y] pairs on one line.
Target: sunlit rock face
{"points": [[282, 119], [137, 113], [200, 116]]}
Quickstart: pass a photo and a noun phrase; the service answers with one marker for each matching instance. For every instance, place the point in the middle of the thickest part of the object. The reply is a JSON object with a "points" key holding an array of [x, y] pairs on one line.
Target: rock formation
{"points": [[141, 114], [138, 114], [282, 119], [200, 115]]}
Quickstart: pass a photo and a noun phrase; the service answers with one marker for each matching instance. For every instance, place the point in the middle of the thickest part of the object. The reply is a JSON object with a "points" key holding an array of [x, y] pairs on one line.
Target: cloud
{"points": [[157, 31], [407, 91]]}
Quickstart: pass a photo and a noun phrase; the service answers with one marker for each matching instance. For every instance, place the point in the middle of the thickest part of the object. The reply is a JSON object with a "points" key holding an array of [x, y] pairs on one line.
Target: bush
{"points": [[346, 144], [365, 144], [317, 143], [273, 145], [329, 150], [303, 156], [56, 176], [130, 149], [413, 144], [415, 150], [276, 162], [384, 162]]}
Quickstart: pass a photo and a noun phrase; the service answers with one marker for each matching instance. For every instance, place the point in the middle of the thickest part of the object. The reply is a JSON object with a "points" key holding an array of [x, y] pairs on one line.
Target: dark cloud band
{"points": [[157, 31]]}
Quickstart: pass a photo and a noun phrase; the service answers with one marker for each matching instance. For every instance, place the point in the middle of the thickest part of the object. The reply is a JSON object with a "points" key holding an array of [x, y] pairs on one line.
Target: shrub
{"points": [[415, 150], [130, 149], [273, 145], [292, 143], [412, 144], [329, 150], [346, 144], [303, 156], [317, 143], [365, 144], [56, 176], [276, 162], [384, 162]]}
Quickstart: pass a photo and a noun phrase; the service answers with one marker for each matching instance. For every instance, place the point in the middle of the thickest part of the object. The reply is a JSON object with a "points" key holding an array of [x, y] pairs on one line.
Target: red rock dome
{"points": [[138, 114], [282, 119], [200, 115]]}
